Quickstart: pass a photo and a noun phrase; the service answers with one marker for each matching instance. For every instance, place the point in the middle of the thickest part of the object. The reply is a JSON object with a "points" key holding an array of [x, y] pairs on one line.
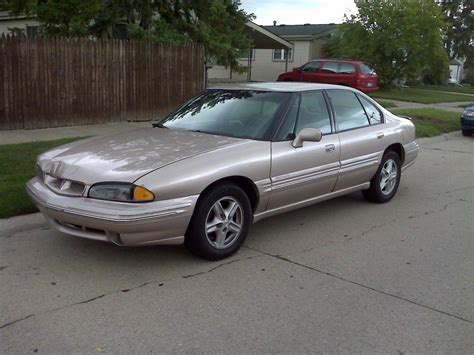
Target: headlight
{"points": [[120, 192], [468, 113]]}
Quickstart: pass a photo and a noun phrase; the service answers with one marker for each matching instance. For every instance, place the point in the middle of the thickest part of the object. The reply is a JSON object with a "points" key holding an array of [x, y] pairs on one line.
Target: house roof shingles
{"points": [[300, 30]]}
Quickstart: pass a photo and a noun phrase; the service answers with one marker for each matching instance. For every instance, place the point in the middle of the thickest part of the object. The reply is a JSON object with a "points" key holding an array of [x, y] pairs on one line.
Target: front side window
{"points": [[375, 116], [233, 113], [313, 113], [348, 110], [311, 67], [280, 54], [309, 111]]}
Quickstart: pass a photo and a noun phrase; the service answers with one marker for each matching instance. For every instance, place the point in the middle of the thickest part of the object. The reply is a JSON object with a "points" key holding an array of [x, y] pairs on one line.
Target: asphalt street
{"points": [[341, 276]]}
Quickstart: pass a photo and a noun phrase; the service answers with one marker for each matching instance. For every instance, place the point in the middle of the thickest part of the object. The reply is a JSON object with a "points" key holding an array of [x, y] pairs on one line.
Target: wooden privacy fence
{"points": [[62, 82]]}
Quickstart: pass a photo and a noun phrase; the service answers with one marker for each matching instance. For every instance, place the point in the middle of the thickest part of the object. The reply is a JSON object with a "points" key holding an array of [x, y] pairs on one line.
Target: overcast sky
{"points": [[294, 12]]}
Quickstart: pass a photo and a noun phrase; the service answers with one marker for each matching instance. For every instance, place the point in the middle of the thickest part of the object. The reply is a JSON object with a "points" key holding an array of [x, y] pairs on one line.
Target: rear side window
{"points": [[330, 68], [348, 110], [375, 116], [347, 68], [366, 69]]}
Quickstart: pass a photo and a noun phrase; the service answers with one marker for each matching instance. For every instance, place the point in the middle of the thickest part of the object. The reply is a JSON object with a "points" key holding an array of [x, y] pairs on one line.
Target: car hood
{"points": [[127, 156]]}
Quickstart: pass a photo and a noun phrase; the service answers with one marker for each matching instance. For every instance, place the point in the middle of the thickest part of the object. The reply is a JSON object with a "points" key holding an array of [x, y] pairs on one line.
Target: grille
{"points": [[64, 186]]}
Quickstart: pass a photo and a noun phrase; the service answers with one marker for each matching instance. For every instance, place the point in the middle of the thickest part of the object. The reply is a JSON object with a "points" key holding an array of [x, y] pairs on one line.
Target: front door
{"points": [[299, 174], [309, 72]]}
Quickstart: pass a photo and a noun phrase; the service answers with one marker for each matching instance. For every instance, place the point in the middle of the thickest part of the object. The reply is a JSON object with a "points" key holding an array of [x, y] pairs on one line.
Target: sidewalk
{"points": [[446, 106], [33, 135]]}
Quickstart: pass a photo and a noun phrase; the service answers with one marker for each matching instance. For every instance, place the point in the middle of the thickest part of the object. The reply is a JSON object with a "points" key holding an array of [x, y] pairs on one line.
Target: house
{"points": [[456, 72], [9, 24], [265, 64]]}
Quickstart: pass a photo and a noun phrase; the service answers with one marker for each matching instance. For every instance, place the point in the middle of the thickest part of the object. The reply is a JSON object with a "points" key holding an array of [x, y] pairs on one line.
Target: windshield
{"points": [[234, 113]]}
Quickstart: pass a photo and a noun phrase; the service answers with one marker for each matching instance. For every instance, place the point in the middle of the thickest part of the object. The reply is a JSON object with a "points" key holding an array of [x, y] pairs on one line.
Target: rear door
{"points": [[328, 74], [347, 74], [362, 141], [299, 174]]}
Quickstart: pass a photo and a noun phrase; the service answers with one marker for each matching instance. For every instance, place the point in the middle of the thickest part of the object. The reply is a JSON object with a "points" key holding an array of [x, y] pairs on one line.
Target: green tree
{"points": [[216, 24], [459, 16], [459, 38], [400, 38]]}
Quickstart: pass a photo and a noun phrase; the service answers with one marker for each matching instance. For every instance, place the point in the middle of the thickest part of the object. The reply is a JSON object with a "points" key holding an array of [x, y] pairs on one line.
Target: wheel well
{"points": [[244, 183], [397, 148]]}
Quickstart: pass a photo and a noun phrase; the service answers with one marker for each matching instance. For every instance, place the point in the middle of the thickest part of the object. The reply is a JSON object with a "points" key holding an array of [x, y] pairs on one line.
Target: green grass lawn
{"points": [[17, 166], [431, 122], [419, 95], [450, 88], [386, 103]]}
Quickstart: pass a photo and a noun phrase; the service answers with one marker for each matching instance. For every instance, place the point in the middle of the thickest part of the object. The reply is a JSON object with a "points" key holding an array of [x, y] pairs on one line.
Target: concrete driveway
{"points": [[344, 275]]}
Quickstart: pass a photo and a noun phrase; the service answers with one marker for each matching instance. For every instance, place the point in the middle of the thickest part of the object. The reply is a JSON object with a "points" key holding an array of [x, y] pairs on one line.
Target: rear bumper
{"points": [[160, 222], [368, 90], [411, 152]]}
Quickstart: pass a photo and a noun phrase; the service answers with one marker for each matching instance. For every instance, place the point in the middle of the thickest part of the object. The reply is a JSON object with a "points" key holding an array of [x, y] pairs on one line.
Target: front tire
{"points": [[466, 133], [220, 222], [384, 184]]}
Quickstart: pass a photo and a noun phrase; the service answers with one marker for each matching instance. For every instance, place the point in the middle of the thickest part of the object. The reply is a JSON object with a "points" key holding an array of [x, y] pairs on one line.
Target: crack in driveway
{"points": [[160, 283], [327, 273]]}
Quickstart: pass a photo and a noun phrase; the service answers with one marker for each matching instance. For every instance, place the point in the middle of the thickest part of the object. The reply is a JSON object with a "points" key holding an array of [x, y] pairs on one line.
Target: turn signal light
{"points": [[140, 194]]}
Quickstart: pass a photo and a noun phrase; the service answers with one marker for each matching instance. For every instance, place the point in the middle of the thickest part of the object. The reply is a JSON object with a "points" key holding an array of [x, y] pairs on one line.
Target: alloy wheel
{"points": [[224, 222], [388, 177]]}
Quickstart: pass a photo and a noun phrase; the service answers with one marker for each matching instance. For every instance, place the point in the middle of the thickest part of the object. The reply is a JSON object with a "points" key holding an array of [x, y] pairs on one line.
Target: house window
{"points": [[280, 54], [245, 55], [32, 31]]}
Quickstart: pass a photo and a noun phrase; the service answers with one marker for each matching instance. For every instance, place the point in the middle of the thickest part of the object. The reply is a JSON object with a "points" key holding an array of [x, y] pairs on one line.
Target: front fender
{"points": [[250, 159]]}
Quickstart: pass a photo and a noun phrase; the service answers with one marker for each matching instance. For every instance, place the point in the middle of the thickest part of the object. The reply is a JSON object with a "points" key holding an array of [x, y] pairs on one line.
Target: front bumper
{"points": [[467, 124], [159, 222]]}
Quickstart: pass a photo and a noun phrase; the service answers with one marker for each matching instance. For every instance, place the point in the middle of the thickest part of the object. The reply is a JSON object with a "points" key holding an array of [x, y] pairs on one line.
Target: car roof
{"points": [[280, 86], [339, 60]]}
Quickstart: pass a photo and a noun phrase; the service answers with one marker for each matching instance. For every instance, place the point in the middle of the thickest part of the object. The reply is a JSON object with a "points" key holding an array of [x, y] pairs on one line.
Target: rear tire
{"points": [[384, 184], [466, 133], [220, 222]]}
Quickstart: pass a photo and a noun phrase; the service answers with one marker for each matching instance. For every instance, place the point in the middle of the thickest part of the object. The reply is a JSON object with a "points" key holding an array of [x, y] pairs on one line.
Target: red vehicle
{"points": [[356, 74]]}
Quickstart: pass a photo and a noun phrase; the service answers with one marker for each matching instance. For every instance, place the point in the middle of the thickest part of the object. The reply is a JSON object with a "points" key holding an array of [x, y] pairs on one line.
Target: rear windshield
{"points": [[366, 69]]}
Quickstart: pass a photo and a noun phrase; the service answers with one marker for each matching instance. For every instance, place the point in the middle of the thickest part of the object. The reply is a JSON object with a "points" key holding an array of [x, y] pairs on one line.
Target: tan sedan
{"points": [[228, 157]]}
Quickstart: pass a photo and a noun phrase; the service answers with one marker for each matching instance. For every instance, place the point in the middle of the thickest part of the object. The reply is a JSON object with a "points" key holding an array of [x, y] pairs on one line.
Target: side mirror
{"points": [[297, 69], [307, 134]]}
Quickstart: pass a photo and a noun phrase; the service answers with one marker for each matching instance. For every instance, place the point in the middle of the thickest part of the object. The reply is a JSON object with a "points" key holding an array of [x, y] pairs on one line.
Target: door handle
{"points": [[330, 148], [380, 135]]}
